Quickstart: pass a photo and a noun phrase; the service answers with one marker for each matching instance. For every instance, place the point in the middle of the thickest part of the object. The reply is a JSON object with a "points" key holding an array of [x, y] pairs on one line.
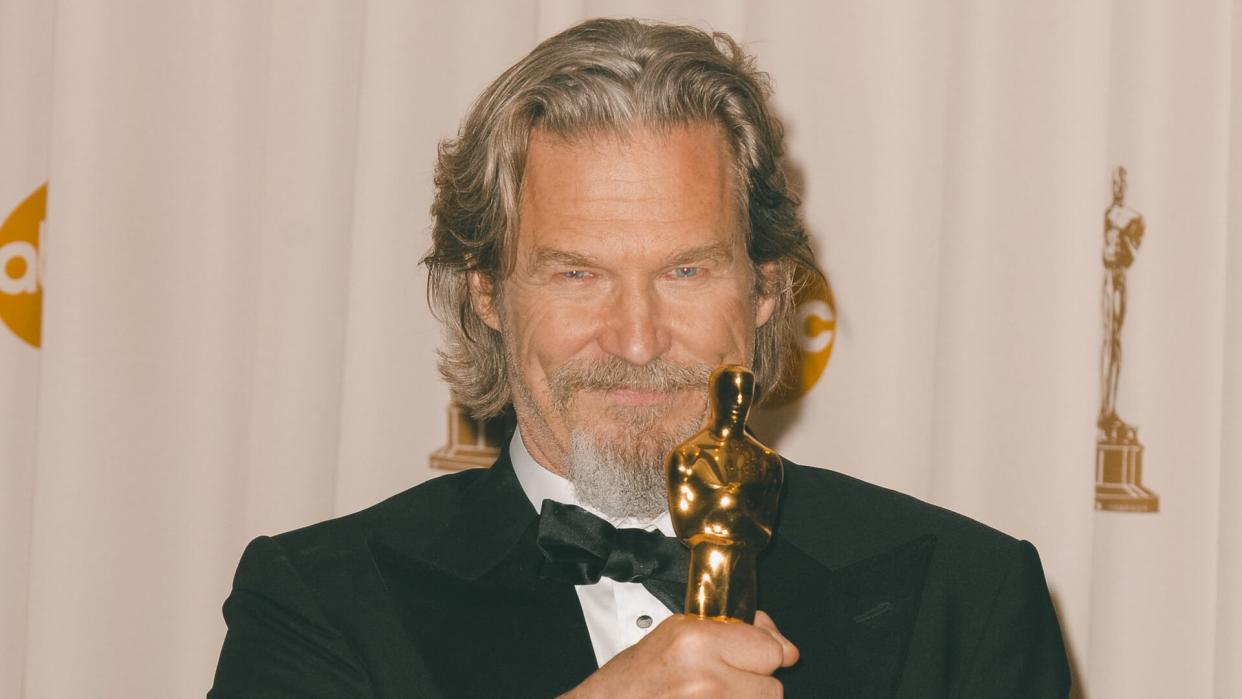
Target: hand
{"points": [[687, 657]]}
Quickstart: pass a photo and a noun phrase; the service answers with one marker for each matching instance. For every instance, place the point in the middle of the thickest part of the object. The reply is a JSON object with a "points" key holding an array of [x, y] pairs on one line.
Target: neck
{"points": [[729, 424]]}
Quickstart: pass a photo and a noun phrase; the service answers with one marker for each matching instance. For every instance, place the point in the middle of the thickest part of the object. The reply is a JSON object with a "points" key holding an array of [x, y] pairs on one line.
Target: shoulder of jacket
{"points": [[832, 512], [422, 508]]}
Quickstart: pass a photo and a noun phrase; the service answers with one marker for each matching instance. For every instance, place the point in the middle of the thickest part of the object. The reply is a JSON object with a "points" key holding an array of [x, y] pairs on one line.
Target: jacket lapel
{"points": [[852, 624], [472, 602], [471, 599]]}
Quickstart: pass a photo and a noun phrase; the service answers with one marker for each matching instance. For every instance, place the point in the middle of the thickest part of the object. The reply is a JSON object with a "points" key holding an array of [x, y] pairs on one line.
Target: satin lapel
{"points": [[471, 599], [851, 625]]}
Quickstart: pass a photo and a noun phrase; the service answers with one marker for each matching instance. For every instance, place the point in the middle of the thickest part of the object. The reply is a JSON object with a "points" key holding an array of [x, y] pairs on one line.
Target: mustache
{"points": [[614, 373]]}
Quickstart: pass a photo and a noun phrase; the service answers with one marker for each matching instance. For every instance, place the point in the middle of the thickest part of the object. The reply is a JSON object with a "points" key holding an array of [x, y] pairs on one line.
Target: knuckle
{"points": [[690, 640], [768, 651], [693, 687], [776, 654], [702, 686], [773, 689]]}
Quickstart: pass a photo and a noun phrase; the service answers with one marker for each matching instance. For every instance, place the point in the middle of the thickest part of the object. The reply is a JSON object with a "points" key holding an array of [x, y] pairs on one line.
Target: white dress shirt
{"points": [[617, 614]]}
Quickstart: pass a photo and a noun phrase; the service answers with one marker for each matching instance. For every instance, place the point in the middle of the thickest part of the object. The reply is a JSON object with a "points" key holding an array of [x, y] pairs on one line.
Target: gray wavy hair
{"points": [[612, 75]]}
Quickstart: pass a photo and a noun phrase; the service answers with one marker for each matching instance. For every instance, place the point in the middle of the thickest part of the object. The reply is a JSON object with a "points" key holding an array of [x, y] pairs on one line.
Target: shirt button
{"points": [[643, 622]]}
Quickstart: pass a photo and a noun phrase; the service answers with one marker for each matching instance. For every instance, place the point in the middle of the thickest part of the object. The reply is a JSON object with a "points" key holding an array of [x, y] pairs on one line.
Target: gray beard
{"points": [[624, 477], [622, 474]]}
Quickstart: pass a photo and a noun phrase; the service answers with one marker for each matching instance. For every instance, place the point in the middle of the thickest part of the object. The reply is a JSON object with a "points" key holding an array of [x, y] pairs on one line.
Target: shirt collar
{"points": [[540, 484]]}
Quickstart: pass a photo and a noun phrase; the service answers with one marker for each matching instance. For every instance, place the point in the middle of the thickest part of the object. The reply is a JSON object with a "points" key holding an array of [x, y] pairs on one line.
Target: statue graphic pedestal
{"points": [[1119, 473], [471, 443]]}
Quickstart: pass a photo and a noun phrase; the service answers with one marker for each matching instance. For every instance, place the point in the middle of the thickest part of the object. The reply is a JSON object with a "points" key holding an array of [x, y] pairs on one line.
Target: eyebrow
{"points": [[708, 252], [543, 257]]}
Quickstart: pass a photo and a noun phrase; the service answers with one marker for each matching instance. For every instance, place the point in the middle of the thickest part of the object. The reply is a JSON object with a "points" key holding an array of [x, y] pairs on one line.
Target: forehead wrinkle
{"points": [[601, 194], [618, 182]]}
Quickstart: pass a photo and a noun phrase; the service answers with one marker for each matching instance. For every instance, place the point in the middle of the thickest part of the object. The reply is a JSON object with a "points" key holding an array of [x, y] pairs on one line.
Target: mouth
{"points": [[636, 397]]}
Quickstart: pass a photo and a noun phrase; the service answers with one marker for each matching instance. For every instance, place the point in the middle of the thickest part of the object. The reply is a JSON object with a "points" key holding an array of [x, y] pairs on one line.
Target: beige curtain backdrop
{"points": [[235, 339]]}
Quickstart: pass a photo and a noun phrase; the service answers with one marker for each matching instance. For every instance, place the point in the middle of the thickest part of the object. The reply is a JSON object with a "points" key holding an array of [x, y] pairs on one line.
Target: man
{"points": [[611, 223]]}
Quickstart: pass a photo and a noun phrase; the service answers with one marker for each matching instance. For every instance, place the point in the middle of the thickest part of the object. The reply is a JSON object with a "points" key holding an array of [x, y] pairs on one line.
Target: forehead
{"points": [[656, 186]]}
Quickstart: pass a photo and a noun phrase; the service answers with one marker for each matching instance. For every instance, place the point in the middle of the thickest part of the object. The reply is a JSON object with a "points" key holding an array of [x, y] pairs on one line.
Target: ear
{"points": [[766, 304], [482, 299]]}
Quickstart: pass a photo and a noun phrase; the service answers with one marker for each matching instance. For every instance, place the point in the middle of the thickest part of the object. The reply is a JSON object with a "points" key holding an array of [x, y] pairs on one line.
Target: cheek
{"points": [[546, 333], [718, 331]]}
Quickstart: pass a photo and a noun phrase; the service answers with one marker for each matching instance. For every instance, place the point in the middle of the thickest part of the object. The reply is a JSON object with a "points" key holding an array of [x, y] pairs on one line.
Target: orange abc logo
{"points": [[21, 271], [815, 333]]}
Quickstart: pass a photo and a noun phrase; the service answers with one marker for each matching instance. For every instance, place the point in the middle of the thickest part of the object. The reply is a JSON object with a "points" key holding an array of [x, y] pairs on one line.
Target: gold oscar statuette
{"points": [[723, 491]]}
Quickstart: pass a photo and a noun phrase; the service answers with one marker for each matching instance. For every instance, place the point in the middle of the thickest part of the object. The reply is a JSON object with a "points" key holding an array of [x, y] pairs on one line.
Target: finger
{"points": [[763, 621], [748, 648], [745, 684], [789, 652]]}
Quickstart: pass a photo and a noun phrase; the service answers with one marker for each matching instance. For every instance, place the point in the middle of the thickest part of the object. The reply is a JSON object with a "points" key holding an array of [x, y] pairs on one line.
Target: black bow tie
{"points": [[579, 548]]}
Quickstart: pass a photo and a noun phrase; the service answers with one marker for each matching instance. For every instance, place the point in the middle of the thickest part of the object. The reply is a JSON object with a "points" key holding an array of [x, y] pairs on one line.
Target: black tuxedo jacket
{"points": [[436, 593]]}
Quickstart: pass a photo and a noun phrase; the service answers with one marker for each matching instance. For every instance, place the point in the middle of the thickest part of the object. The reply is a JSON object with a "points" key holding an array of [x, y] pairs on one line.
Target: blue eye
{"points": [[685, 272], [576, 274]]}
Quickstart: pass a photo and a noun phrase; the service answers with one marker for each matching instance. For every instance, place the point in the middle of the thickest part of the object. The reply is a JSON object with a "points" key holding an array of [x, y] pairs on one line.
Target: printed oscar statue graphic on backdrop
{"points": [[1119, 454], [474, 443], [816, 332], [21, 274]]}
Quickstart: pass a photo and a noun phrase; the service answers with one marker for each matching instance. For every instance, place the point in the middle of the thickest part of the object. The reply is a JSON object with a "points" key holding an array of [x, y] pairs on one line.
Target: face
{"points": [[631, 282]]}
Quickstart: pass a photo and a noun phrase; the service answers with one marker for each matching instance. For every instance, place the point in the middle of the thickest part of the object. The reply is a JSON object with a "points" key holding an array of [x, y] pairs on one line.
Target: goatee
{"points": [[621, 473]]}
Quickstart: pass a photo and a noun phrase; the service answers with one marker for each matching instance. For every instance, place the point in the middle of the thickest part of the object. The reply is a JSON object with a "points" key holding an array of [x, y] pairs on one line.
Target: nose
{"points": [[635, 330]]}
